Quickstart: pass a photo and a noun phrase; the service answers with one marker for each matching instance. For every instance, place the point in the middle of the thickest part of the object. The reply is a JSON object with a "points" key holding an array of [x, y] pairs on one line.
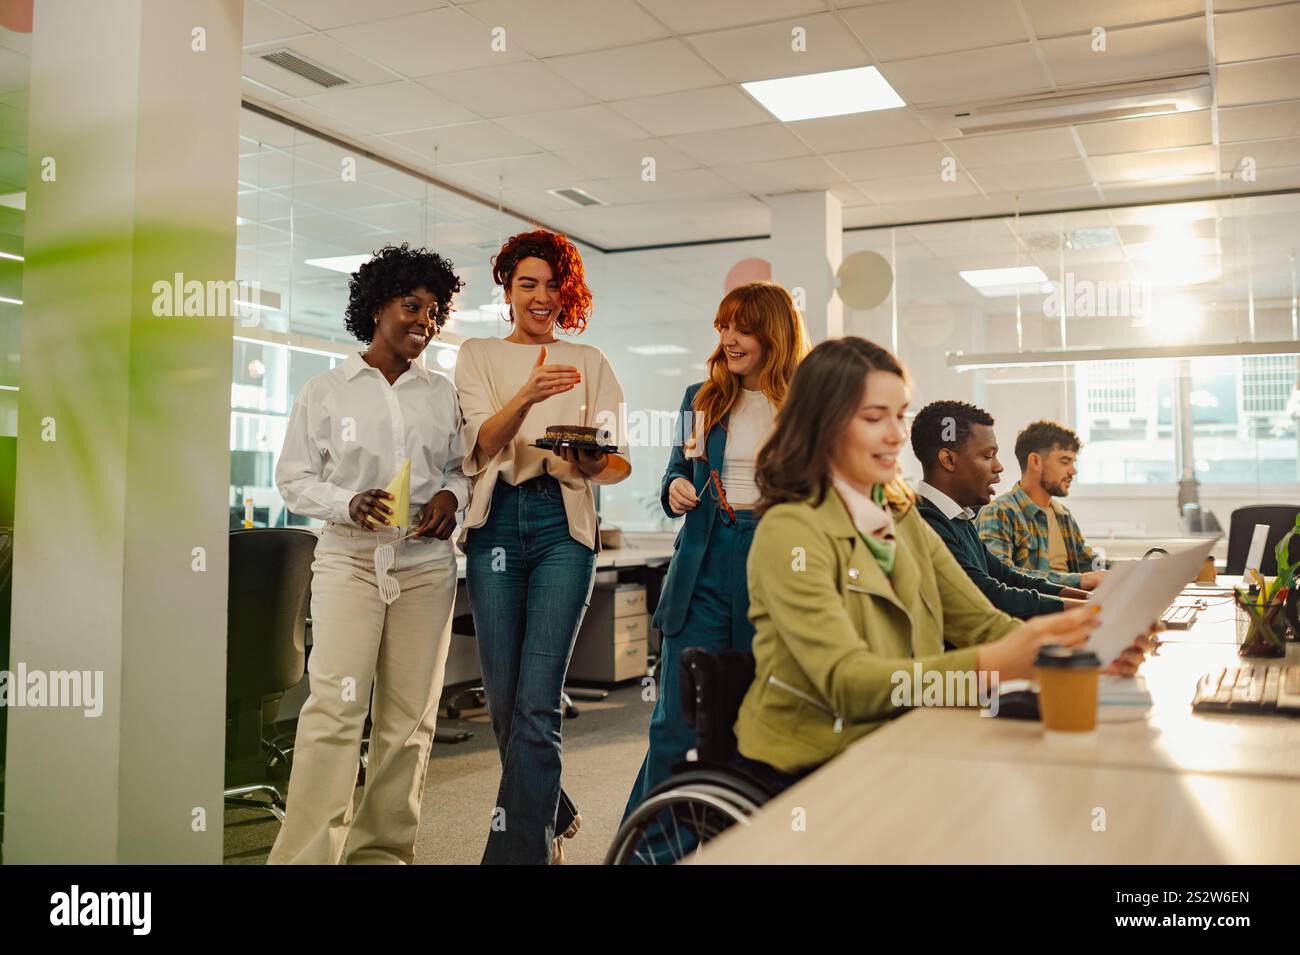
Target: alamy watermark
{"points": [[945, 688], [53, 688], [211, 299], [1086, 298]]}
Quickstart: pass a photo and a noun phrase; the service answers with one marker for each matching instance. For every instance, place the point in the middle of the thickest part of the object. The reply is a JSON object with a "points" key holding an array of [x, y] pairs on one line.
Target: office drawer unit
{"points": [[612, 645]]}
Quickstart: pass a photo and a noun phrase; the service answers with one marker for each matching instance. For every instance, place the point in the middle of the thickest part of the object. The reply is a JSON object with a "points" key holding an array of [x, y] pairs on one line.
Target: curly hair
{"points": [[563, 258], [393, 271], [937, 420]]}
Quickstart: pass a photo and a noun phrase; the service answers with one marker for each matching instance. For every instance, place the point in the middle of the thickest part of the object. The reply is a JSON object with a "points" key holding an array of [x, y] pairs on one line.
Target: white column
{"points": [[121, 525], [807, 247]]}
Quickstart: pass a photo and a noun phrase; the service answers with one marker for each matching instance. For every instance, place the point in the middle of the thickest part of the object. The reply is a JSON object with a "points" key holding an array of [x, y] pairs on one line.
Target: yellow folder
{"points": [[400, 488]]}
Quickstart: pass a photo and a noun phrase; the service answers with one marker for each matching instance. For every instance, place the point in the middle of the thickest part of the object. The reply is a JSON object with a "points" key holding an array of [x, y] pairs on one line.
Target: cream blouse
{"points": [[489, 371]]}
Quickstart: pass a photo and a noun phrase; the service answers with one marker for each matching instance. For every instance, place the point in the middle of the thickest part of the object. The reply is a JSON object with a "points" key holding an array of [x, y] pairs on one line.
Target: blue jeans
{"points": [[717, 619], [529, 585]]}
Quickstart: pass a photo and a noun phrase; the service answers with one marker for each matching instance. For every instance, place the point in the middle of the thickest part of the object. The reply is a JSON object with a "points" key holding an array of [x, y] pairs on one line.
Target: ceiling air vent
{"points": [[287, 59], [576, 196], [1097, 104]]}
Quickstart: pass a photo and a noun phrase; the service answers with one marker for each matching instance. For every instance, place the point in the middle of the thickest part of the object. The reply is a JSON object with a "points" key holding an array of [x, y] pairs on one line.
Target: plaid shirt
{"points": [[1015, 529]]}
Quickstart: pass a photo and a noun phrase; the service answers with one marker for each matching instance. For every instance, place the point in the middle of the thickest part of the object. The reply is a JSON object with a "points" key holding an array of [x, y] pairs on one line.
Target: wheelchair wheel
{"points": [[678, 817]]}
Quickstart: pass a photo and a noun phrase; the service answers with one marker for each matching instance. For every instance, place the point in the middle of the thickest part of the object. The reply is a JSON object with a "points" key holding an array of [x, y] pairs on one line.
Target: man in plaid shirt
{"points": [[1027, 528]]}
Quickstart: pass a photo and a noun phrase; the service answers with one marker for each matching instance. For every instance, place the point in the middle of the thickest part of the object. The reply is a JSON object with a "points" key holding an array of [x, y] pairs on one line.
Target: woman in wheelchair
{"points": [[850, 590]]}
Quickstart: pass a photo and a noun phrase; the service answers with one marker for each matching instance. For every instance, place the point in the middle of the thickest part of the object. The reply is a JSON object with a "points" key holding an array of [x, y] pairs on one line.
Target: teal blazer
{"points": [[693, 539]]}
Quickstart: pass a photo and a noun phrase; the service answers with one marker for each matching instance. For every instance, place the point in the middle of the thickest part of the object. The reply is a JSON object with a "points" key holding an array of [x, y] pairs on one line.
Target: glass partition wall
{"points": [[1003, 312]]}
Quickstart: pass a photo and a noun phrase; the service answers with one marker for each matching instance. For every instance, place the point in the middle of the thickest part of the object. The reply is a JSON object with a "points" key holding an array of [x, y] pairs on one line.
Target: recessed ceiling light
{"points": [[341, 263], [658, 350], [997, 283], [836, 93]]}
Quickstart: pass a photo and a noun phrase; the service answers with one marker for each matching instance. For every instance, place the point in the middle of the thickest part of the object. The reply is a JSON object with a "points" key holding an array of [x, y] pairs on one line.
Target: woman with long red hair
{"points": [[531, 536], [710, 479]]}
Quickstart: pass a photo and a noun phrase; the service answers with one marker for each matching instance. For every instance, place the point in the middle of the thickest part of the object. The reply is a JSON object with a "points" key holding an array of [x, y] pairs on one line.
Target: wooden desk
{"points": [[947, 785], [870, 807]]}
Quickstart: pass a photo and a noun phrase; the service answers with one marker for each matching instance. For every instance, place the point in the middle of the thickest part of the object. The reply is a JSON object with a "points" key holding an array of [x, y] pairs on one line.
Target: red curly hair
{"points": [[563, 258]]}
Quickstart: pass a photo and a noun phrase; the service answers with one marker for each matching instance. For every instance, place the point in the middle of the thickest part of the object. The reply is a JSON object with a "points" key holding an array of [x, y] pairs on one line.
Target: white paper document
{"points": [[1135, 594]]}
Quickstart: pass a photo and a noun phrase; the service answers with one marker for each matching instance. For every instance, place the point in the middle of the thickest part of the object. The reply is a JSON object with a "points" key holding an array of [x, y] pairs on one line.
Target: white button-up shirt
{"points": [[350, 431], [950, 508]]}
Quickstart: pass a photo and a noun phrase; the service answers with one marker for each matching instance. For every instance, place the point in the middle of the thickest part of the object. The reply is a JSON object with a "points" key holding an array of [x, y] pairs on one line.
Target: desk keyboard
{"points": [[1250, 689], [1180, 617]]}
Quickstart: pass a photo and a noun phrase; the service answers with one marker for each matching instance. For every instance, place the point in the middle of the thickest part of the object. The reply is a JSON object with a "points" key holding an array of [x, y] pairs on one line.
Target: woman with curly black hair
{"points": [[375, 420], [531, 536]]}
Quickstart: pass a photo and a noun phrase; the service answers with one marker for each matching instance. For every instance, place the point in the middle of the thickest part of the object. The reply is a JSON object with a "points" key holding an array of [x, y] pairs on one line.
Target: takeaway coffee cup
{"points": [[1067, 688]]}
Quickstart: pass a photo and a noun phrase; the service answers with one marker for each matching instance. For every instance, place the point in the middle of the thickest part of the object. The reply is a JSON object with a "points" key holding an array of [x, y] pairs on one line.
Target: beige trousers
{"points": [[359, 643]]}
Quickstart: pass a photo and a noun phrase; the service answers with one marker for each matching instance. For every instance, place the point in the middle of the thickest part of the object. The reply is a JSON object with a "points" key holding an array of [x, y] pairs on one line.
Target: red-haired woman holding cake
{"points": [[531, 535]]}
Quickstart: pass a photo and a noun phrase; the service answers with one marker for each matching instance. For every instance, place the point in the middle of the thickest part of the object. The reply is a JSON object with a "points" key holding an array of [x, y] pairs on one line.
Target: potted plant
{"points": [[1266, 609]]}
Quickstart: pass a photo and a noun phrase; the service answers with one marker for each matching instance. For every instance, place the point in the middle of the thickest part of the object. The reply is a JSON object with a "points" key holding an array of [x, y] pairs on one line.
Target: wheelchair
{"points": [[707, 795]]}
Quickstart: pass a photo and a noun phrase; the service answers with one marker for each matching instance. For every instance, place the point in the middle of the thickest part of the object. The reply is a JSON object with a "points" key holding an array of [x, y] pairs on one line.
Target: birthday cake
{"points": [[578, 436]]}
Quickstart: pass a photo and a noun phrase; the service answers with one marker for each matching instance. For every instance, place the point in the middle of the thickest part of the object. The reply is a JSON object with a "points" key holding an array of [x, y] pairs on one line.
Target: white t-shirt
{"points": [[488, 373], [748, 428]]}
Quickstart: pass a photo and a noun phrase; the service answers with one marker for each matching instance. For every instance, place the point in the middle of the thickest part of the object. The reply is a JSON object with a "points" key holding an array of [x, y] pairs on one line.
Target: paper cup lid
{"points": [[1053, 655]]}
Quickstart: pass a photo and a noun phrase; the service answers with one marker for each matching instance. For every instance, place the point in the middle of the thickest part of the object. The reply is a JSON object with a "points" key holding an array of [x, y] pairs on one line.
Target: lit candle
{"points": [[582, 415]]}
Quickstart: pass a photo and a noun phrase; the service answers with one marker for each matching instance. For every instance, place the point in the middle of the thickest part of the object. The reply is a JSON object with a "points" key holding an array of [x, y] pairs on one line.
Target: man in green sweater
{"points": [[958, 451]]}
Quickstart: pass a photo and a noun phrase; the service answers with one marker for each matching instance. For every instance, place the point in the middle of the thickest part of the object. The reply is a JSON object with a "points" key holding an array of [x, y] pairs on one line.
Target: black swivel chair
{"points": [[1280, 518], [270, 578]]}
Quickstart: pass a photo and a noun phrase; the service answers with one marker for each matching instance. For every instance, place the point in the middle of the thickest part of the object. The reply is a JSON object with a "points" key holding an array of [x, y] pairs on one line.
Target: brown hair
{"points": [[766, 311], [1044, 436], [825, 393]]}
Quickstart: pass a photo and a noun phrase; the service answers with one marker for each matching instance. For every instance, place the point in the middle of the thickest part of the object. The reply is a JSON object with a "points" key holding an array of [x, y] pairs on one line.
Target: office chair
{"points": [[1280, 518], [707, 795], [270, 577]]}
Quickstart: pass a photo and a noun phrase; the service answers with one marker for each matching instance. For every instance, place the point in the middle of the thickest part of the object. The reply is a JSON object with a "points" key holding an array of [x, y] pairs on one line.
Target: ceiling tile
{"points": [[263, 24], [258, 92], [968, 77], [1026, 177], [685, 184], [543, 171], [648, 69], [1266, 155], [768, 51], [882, 127], [1053, 18], [390, 107], [914, 188], [465, 143], [1004, 149], [890, 161], [573, 128], [327, 14], [850, 195], [1240, 84], [1168, 164], [719, 107], [1271, 121], [910, 28], [438, 41], [1151, 132], [573, 26], [1155, 50], [802, 174], [616, 160], [504, 90], [731, 146], [692, 16], [1255, 34]]}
